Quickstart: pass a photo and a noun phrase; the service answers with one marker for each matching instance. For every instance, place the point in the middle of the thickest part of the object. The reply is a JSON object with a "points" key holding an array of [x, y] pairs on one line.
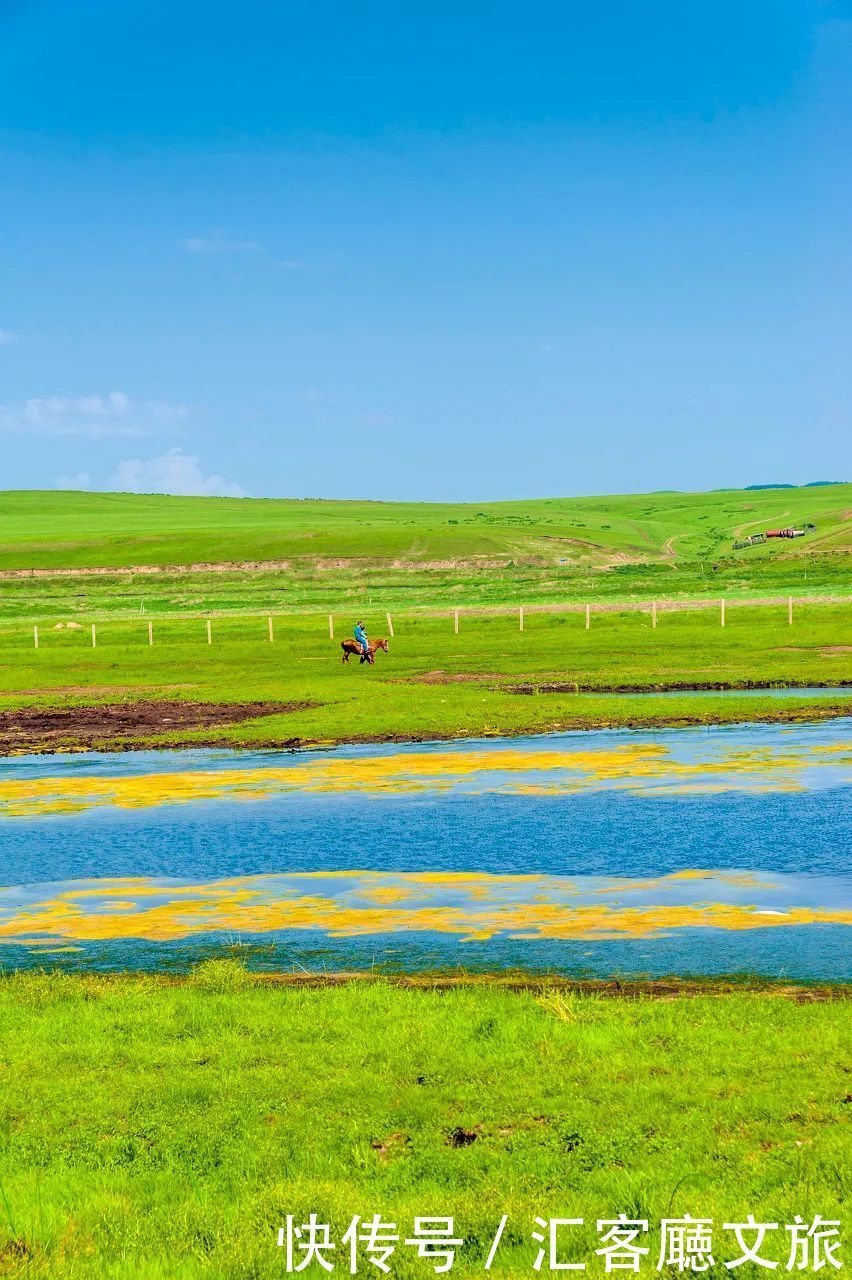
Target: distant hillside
{"points": [[84, 530], [811, 484]]}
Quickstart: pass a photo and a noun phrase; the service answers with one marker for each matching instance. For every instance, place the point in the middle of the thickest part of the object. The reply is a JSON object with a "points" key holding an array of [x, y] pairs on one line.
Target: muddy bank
{"points": [[701, 686], [624, 989], [231, 968], [150, 726], [107, 727], [532, 684]]}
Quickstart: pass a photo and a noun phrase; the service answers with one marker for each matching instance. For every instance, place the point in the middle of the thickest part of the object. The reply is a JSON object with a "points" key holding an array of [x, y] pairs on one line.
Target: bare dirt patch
{"points": [[458, 677], [39, 729], [460, 1137], [393, 1144]]}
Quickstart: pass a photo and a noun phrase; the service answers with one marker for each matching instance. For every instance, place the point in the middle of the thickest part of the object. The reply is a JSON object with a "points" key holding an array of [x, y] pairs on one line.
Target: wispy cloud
{"points": [[101, 416], [82, 480], [173, 472], [219, 242], [7, 337]]}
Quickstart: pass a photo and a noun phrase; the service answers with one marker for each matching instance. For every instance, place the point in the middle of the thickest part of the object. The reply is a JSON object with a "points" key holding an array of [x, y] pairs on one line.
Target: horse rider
{"points": [[361, 639]]}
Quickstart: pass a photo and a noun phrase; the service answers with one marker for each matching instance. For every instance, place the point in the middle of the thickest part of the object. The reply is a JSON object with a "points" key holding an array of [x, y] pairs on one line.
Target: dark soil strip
{"points": [[40, 729], [694, 686], [34, 731], [628, 989], [516, 982]]}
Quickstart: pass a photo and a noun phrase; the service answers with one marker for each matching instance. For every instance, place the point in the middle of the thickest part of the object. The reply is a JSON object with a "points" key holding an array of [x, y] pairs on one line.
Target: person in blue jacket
{"points": [[361, 638]]}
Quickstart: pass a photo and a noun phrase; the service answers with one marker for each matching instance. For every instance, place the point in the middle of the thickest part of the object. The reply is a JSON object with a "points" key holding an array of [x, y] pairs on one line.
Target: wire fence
{"points": [[268, 628]]}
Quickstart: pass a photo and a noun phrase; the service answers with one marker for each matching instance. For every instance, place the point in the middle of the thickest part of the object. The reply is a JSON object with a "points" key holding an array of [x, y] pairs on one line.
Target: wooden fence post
{"points": [[150, 633], [653, 613], [35, 636], [790, 611], [209, 632], [390, 625], [330, 626], [722, 614], [588, 616], [521, 618], [94, 636], [456, 621], [269, 628]]}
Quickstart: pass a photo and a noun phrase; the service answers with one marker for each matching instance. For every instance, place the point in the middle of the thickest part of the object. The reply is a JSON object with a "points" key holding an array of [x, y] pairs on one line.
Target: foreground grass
{"points": [[164, 1130], [434, 683]]}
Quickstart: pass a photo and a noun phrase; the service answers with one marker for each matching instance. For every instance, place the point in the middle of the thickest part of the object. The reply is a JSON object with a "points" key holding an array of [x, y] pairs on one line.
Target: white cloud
{"points": [[7, 338], [82, 480], [172, 472], [164, 411], [218, 242], [95, 417]]}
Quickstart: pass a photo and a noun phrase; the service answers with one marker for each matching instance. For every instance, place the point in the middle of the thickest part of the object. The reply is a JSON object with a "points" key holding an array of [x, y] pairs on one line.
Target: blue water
{"points": [[586, 834], [803, 834], [785, 691]]}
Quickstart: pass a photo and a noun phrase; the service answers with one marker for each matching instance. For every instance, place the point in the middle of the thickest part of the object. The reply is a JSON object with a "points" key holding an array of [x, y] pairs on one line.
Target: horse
{"points": [[351, 647]]}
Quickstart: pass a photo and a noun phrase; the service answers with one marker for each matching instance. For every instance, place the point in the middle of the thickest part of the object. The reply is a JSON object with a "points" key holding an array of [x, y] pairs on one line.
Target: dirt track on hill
{"points": [[343, 564], [320, 564]]}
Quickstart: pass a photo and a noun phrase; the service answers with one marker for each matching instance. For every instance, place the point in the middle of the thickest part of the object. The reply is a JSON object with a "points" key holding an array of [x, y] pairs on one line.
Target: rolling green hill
{"points": [[87, 530], [301, 561]]}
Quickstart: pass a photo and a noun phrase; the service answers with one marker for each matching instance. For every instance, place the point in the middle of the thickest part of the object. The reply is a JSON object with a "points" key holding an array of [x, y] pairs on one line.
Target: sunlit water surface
{"points": [[691, 851]]}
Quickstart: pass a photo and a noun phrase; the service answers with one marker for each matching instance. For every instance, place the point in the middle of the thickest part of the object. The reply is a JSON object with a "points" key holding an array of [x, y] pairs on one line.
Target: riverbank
{"points": [[153, 1128], [146, 727]]}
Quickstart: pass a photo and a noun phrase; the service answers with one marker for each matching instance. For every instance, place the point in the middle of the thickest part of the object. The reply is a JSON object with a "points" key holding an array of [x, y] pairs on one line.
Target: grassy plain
{"points": [[360, 587], [160, 1129], [330, 553], [490, 678], [152, 1129], [419, 562]]}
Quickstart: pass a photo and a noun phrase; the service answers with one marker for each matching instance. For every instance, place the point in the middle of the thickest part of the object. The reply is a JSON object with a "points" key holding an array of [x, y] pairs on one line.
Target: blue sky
{"points": [[442, 251]]}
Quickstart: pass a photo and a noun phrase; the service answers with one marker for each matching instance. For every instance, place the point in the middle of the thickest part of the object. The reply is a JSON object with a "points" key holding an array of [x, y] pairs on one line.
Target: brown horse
{"points": [[351, 647]]}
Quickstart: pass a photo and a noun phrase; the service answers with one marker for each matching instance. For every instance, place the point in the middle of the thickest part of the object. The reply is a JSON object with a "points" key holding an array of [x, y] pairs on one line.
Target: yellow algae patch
{"points": [[382, 897], [741, 879], [379, 903], [632, 766], [530, 920], [745, 878], [843, 749]]}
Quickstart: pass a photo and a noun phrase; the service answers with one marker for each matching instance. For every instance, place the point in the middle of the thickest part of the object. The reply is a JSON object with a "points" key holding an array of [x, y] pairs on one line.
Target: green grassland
{"points": [[151, 1129], [632, 544], [434, 683], [420, 562], [154, 1128], [357, 587]]}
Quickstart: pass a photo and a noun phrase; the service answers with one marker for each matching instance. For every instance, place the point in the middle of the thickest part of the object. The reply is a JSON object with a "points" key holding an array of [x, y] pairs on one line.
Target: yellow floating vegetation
{"points": [[647, 767], [469, 905]]}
